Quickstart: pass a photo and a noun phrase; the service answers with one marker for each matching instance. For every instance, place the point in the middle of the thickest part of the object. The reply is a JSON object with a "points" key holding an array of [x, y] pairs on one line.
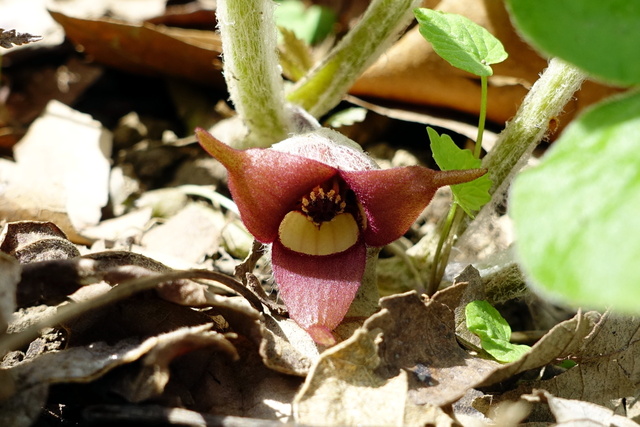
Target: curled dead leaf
{"points": [[412, 72], [33, 241], [148, 48]]}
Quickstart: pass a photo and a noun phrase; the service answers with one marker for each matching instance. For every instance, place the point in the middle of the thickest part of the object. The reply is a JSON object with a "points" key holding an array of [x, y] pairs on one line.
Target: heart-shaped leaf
{"points": [[460, 41], [576, 214]]}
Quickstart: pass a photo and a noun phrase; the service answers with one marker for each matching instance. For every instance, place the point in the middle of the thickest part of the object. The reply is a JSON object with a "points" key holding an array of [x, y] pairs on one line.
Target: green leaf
{"points": [[471, 196], [601, 37], [460, 41], [311, 24], [576, 214], [347, 117], [295, 55], [494, 332]]}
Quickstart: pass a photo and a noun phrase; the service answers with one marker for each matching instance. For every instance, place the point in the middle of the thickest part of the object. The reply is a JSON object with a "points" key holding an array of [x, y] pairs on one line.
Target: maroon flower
{"points": [[320, 204]]}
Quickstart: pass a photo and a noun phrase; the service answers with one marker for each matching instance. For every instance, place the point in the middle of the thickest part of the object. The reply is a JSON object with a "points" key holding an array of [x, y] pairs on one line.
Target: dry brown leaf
{"points": [[245, 387], [567, 339], [440, 370], [286, 347], [412, 72], [34, 241], [30, 89], [154, 373], [343, 390], [9, 277], [190, 235], [138, 316], [409, 347], [62, 172], [75, 365], [568, 412], [147, 48], [606, 374]]}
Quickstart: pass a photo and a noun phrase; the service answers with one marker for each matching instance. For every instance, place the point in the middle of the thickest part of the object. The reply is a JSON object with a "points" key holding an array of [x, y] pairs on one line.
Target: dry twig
{"points": [[9, 38]]}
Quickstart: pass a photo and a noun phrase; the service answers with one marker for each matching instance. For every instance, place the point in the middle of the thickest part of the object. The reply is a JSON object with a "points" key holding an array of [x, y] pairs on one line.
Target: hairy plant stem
{"points": [[251, 70], [545, 100], [455, 216], [326, 84]]}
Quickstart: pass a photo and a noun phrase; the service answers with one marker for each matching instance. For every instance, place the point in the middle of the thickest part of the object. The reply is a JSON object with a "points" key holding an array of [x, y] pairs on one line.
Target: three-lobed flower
{"points": [[320, 201]]}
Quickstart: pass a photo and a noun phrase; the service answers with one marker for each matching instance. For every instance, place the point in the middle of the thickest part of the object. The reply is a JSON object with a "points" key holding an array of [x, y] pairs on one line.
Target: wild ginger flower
{"points": [[320, 201]]}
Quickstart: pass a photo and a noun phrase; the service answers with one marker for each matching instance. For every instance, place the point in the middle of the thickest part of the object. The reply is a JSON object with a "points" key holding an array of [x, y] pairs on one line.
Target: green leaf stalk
{"points": [[325, 85], [251, 70]]}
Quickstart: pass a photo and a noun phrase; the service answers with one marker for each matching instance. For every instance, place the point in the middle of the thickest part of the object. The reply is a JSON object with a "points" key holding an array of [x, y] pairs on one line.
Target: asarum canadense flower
{"points": [[320, 201]]}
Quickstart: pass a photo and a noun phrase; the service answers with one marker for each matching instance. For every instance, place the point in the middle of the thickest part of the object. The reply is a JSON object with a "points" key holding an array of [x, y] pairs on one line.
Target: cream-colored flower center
{"points": [[299, 233]]}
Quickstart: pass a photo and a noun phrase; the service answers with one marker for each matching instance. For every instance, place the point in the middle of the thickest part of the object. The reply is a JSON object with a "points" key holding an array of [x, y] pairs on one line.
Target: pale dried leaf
{"points": [[567, 339], [9, 277], [606, 374], [154, 373], [441, 371], [190, 235], [62, 172], [246, 387], [23, 409], [342, 388], [127, 226], [287, 348], [570, 412], [409, 347], [34, 241], [411, 72]]}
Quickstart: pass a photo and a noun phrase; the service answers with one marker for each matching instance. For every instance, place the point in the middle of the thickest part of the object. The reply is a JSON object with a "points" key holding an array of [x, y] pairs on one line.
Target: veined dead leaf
{"points": [[410, 71], [606, 373], [568, 412], [147, 48], [62, 172]]}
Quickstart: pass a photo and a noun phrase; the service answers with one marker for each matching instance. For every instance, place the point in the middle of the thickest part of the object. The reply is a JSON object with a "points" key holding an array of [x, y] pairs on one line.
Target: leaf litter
{"points": [[112, 281]]}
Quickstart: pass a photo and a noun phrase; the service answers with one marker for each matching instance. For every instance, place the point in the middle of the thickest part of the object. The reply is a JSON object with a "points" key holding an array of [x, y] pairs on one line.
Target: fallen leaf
{"points": [[121, 228], [62, 172], [138, 316], [31, 88], [287, 348], [155, 371], [342, 390], [190, 235], [440, 371], [245, 387], [9, 277], [34, 241], [606, 373], [147, 48], [74, 365], [410, 71], [563, 341], [408, 347], [569, 412]]}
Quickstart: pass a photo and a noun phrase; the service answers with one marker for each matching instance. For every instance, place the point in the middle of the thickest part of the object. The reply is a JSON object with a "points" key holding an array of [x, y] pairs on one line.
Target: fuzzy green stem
{"points": [[326, 84], [545, 100], [251, 70]]}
